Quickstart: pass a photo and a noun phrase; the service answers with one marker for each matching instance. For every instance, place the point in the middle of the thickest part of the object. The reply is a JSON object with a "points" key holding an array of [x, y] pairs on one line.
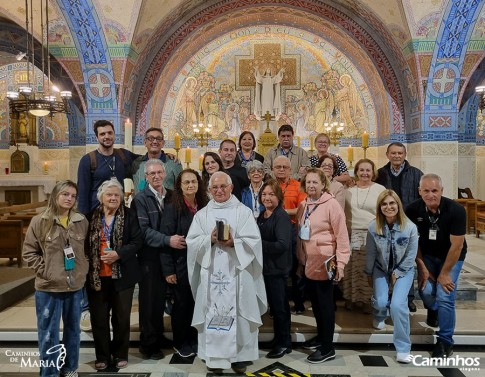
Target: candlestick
{"points": [[298, 141], [312, 143], [46, 168], [201, 162], [128, 135], [188, 156]]}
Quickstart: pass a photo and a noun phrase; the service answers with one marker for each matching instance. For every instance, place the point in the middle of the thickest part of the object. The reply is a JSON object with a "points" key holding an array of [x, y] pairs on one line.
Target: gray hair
{"points": [[110, 183], [254, 165], [220, 174], [153, 162], [436, 177], [281, 158]]}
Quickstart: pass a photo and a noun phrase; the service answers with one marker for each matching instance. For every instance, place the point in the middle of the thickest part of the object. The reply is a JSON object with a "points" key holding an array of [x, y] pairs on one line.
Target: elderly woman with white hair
{"points": [[114, 238], [250, 194]]}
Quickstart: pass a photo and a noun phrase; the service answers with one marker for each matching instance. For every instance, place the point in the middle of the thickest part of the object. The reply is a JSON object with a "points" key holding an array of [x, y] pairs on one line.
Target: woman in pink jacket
{"points": [[323, 252]]}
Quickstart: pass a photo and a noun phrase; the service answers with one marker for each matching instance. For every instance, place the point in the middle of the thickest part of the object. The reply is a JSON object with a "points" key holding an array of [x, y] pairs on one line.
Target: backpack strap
{"points": [[93, 161], [121, 155]]}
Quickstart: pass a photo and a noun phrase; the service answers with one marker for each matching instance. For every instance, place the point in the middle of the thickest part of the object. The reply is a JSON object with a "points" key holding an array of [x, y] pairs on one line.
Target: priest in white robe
{"points": [[226, 277]]}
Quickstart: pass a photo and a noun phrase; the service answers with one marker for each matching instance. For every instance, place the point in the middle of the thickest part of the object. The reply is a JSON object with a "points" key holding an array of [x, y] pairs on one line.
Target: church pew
{"points": [[12, 238], [22, 208]]}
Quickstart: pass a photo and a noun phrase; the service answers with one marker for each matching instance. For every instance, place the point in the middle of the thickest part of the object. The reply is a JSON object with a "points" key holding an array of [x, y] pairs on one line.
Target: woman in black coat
{"points": [[275, 227], [188, 197], [114, 239]]}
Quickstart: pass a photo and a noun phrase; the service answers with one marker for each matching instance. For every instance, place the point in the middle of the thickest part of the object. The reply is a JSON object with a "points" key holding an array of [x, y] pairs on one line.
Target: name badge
{"points": [[69, 252], [305, 231], [433, 234]]}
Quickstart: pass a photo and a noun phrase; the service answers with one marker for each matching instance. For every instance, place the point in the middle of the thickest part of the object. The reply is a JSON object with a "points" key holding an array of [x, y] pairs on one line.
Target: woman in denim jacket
{"points": [[392, 244]]}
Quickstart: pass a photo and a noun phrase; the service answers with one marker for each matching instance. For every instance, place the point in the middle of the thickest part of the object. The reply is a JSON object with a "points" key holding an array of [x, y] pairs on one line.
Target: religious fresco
{"points": [[312, 82]]}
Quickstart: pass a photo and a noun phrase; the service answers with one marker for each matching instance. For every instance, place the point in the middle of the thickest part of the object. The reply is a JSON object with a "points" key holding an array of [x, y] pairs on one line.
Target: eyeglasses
{"points": [[151, 139], [278, 167], [256, 171], [322, 142], [326, 166], [186, 183], [216, 188], [154, 173]]}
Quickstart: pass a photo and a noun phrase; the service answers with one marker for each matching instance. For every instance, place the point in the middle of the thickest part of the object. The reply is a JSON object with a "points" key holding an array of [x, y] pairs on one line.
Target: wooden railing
{"points": [[14, 221]]}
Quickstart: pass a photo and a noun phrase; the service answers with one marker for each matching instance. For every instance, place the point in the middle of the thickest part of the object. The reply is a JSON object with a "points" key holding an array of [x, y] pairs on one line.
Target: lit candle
{"points": [[365, 139], [312, 143], [46, 168], [201, 162], [128, 135], [298, 141], [177, 141], [350, 153], [188, 155]]}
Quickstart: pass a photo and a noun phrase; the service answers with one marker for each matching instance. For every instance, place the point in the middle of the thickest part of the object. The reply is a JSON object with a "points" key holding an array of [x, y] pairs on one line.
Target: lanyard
{"points": [[308, 213], [255, 199], [107, 230], [432, 219], [112, 168]]}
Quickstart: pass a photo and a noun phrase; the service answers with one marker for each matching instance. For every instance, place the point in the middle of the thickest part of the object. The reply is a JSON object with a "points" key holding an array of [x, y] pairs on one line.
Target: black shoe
{"points": [[185, 351], [319, 357], [157, 355], [411, 306], [312, 344], [149, 354], [278, 352], [239, 367], [215, 370], [432, 318], [442, 350], [298, 309]]}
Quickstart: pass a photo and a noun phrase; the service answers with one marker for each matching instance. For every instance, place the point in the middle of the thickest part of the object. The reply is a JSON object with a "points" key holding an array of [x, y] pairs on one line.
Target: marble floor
{"points": [[361, 350]]}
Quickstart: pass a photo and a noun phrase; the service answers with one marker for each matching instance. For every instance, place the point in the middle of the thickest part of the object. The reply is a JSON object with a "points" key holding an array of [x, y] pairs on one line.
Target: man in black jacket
{"points": [[400, 176], [149, 205]]}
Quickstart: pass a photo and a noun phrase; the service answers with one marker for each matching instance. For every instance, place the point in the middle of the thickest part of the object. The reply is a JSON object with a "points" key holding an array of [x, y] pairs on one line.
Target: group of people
{"points": [[226, 242]]}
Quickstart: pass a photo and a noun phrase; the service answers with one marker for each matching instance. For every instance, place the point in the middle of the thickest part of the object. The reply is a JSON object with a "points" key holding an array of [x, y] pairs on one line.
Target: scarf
{"points": [[94, 244]]}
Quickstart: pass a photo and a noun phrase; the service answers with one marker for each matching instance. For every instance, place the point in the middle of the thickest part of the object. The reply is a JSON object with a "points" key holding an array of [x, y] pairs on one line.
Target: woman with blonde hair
{"points": [[392, 245], [54, 249], [360, 210]]}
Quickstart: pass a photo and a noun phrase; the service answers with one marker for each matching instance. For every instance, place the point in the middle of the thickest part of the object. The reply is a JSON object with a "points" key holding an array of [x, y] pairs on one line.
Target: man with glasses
{"points": [[148, 205], [322, 142], [297, 156], [225, 265], [293, 196], [154, 142]]}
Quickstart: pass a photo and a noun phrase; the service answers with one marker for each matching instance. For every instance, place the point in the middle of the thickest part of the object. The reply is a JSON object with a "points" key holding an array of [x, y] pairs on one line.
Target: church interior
{"points": [[367, 72]]}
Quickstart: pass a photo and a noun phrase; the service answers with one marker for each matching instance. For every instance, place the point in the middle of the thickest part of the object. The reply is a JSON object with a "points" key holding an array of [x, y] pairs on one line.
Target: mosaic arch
{"points": [[213, 22], [219, 82]]}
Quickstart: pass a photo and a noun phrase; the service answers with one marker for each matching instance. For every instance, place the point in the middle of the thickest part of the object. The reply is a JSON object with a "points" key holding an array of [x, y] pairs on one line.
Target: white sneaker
{"points": [[69, 374], [85, 321], [379, 325], [404, 357]]}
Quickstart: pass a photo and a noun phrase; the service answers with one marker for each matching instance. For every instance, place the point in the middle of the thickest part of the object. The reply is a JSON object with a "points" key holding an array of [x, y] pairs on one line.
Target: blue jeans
{"points": [[50, 306], [397, 303], [435, 298]]}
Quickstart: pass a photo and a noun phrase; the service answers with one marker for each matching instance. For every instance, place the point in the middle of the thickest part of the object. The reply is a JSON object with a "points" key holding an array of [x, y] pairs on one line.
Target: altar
{"points": [[40, 186]]}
